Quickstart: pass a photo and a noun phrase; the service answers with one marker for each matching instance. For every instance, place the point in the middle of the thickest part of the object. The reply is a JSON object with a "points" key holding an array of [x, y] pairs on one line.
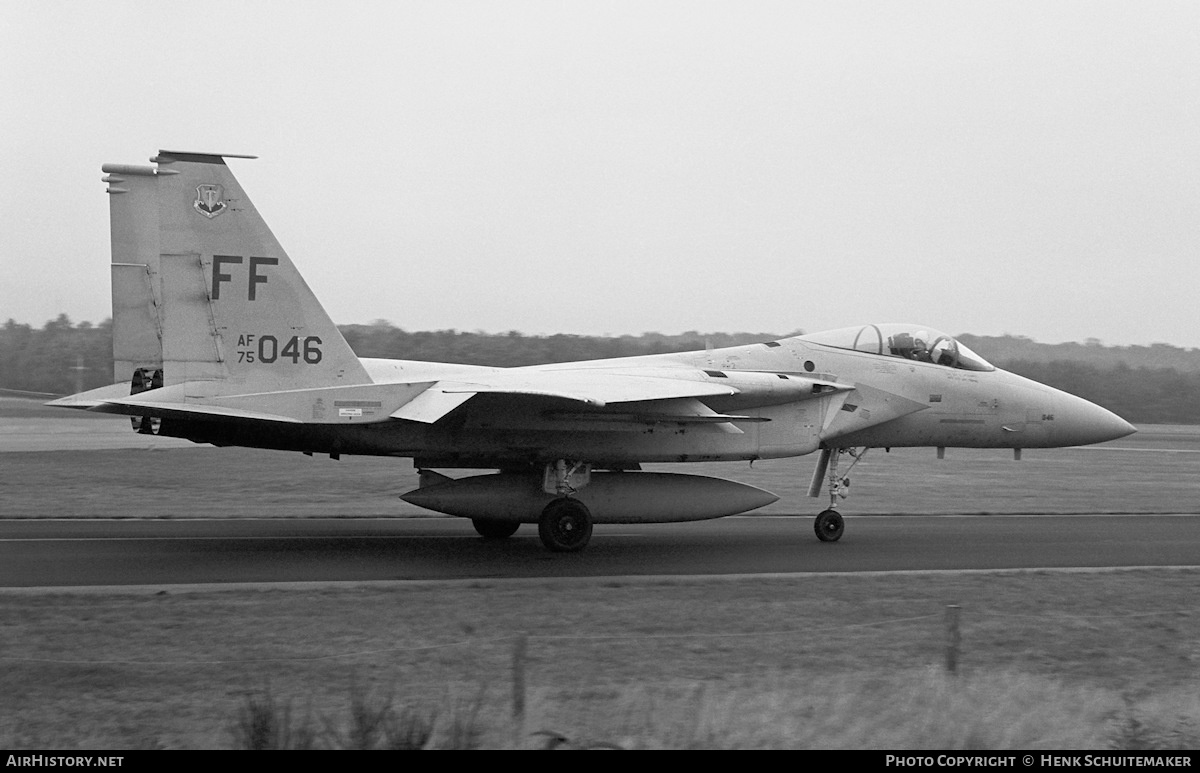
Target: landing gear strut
{"points": [[829, 525], [565, 525]]}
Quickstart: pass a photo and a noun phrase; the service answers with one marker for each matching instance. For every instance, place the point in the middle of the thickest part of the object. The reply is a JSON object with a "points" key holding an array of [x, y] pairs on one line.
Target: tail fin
{"points": [[202, 289]]}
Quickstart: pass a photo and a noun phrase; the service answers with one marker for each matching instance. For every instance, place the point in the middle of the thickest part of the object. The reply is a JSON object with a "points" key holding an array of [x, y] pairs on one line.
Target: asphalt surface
{"points": [[73, 553]]}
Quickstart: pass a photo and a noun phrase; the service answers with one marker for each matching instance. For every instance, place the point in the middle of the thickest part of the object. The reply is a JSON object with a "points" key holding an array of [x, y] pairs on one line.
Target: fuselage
{"points": [[894, 402]]}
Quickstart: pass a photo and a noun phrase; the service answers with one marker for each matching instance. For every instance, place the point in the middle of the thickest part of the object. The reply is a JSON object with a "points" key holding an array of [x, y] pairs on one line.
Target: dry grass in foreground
{"points": [[916, 709], [1048, 660]]}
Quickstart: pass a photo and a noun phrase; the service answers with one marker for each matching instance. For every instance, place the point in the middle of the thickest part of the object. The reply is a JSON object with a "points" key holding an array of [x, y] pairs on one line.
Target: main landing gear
{"points": [[829, 525], [565, 524]]}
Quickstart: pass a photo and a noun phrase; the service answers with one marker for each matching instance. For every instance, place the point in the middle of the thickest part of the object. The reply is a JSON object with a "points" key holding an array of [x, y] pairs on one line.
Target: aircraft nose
{"points": [[1079, 422]]}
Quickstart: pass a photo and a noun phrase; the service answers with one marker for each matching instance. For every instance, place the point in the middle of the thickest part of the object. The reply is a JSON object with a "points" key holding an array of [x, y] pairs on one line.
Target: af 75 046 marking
{"points": [[267, 350]]}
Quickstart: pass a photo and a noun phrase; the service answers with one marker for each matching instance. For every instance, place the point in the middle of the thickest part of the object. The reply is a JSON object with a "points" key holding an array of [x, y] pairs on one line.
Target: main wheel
{"points": [[829, 526], [490, 529], [565, 525]]}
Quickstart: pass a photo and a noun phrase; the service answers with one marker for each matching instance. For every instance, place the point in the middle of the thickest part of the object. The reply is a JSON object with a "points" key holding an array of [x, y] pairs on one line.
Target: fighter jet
{"points": [[218, 339]]}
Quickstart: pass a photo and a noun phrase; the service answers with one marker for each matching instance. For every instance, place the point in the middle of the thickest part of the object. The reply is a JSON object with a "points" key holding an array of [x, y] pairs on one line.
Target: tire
{"points": [[829, 526], [565, 526], [490, 529]]}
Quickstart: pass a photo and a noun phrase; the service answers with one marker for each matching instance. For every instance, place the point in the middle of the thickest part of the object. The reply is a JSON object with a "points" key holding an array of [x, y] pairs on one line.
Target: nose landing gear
{"points": [[829, 525]]}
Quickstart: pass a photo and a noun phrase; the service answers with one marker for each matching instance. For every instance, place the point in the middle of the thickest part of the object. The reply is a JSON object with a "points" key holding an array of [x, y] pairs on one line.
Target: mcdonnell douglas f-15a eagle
{"points": [[223, 343]]}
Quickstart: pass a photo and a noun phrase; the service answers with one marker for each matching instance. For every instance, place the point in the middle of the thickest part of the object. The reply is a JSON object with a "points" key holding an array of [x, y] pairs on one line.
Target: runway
{"points": [[200, 515], [74, 553]]}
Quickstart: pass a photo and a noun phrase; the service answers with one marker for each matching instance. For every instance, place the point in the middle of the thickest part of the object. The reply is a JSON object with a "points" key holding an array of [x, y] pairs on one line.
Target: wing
{"points": [[659, 394], [589, 387], [647, 395]]}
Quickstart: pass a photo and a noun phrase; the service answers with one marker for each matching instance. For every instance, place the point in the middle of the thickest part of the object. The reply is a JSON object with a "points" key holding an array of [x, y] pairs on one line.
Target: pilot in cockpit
{"points": [[910, 348], [900, 345], [920, 351]]}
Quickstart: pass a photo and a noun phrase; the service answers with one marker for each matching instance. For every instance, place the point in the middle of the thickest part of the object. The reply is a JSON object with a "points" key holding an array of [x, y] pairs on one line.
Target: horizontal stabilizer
{"points": [[176, 410], [201, 400], [93, 397], [158, 402]]}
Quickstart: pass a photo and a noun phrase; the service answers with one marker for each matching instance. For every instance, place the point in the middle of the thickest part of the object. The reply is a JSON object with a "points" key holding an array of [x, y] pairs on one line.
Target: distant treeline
{"points": [[1146, 384], [513, 349], [1009, 348], [60, 358]]}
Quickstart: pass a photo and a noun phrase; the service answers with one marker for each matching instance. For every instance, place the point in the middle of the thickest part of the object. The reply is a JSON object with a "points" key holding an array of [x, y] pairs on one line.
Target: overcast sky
{"points": [[620, 167]]}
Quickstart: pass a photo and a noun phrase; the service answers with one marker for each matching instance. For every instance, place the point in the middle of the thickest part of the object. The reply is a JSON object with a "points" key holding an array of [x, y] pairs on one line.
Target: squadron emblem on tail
{"points": [[210, 200]]}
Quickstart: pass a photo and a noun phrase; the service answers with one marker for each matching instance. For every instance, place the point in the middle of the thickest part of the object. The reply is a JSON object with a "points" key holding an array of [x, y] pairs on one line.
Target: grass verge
{"points": [[1048, 660]]}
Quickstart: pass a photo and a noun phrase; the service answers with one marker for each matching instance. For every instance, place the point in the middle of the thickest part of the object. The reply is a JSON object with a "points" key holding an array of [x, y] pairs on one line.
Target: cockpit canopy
{"points": [[909, 342]]}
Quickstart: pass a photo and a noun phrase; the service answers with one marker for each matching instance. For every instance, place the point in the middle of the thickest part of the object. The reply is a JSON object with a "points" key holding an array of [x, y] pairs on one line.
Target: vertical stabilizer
{"points": [[133, 224], [201, 284]]}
